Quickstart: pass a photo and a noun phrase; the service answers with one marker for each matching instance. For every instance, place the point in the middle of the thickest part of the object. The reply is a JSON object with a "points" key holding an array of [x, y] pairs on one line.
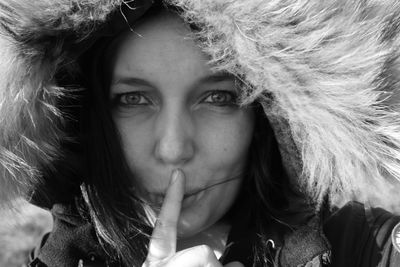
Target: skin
{"points": [[174, 113], [162, 247]]}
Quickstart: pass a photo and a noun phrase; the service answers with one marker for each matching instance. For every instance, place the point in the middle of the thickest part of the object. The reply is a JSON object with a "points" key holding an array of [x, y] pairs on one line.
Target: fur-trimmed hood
{"points": [[326, 73]]}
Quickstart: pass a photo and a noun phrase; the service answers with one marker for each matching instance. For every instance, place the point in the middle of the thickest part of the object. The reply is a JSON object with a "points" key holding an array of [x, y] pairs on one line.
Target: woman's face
{"points": [[173, 112]]}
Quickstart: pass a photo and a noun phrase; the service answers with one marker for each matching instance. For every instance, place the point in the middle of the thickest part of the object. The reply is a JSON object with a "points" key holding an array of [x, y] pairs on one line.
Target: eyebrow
{"points": [[215, 77], [132, 81]]}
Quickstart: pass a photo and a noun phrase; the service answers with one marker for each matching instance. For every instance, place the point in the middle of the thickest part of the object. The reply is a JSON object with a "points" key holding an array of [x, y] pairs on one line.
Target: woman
{"points": [[240, 129]]}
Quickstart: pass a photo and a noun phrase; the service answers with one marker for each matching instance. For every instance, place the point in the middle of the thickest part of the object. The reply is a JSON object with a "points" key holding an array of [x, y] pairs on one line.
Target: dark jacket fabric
{"points": [[359, 237]]}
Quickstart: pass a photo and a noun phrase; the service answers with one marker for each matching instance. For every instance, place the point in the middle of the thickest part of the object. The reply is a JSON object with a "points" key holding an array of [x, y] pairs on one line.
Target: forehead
{"points": [[160, 47]]}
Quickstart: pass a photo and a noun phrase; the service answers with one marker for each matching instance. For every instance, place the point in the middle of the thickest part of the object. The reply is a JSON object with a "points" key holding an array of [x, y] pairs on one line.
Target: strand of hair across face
{"points": [[215, 184], [238, 176]]}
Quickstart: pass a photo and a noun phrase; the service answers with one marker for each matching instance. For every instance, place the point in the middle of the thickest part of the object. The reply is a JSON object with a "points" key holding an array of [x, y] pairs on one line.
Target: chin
{"points": [[192, 222], [188, 228]]}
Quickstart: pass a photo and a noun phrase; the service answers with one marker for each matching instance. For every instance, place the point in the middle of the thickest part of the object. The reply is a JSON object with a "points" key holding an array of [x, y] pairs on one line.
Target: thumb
{"points": [[234, 264]]}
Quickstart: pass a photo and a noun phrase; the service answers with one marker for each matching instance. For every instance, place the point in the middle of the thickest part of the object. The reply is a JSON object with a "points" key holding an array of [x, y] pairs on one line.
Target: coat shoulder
{"points": [[72, 241], [361, 236]]}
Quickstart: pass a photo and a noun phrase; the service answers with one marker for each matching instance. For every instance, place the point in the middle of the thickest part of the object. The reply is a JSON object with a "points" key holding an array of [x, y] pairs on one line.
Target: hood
{"points": [[325, 72]]}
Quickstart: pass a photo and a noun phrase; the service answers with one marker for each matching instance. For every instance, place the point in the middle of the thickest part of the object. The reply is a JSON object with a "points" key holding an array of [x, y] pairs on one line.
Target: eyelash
{"points": [[118, 100], [232, 99]]}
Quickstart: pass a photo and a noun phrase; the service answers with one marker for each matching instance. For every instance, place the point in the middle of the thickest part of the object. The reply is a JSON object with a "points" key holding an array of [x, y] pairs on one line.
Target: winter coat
{"points": [[357, 236], [325, 73]]}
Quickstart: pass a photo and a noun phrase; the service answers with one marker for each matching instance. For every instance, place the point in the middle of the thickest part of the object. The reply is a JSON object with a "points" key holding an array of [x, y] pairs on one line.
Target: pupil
{"points": [[132, 99], [218, 97]]}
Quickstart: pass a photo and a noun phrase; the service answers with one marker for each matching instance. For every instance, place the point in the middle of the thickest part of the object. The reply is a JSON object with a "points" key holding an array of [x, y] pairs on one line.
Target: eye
{"points": [[221, 98], [131, 99]]}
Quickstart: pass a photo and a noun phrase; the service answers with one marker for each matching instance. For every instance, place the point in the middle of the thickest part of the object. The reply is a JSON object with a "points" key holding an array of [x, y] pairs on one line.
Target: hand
{"points": [[162, 248]]}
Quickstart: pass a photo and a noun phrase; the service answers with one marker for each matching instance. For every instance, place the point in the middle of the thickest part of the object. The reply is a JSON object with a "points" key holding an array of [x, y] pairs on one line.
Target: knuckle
{"points": [[151, 263], [165, 223], [147, 263], [206, 250], [158, 223]]}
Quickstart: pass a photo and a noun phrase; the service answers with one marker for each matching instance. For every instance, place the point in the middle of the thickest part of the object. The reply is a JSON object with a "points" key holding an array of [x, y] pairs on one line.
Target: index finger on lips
{"points": [[163, 239]]}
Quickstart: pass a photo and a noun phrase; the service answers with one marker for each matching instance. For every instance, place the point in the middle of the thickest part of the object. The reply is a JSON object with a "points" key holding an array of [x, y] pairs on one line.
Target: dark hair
{"points": [[108, 188], [117, 214]]}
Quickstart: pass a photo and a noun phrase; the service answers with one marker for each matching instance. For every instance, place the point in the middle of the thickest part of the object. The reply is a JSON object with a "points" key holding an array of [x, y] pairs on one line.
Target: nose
{"points": [[174, 142]]}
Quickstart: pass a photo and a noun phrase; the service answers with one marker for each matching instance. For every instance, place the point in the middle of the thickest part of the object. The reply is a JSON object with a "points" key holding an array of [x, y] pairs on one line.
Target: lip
{"points": [[188, 198]]}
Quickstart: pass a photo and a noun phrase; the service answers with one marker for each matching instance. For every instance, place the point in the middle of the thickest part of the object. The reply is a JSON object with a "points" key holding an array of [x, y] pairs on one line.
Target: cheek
{"points": [[135, 140], [228, 139], [129, 136], [137, 143]]}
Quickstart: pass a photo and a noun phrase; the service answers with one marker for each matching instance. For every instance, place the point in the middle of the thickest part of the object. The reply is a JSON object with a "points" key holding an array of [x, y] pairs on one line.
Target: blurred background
{"points": [[21, 229]]}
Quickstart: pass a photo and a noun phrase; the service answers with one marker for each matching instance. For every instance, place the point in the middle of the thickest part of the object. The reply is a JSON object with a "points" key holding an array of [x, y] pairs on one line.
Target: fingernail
{"points": [[175, 174]]}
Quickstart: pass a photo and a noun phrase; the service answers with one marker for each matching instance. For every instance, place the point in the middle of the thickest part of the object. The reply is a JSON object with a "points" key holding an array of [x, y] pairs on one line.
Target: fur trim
{"points": [[32, 36], [37, 39], [322, 70], [325, 72]]}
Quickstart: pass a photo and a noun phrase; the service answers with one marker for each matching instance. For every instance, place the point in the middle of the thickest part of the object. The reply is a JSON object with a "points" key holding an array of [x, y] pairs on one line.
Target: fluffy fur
{"points": [[326, 72], [323, 70]]}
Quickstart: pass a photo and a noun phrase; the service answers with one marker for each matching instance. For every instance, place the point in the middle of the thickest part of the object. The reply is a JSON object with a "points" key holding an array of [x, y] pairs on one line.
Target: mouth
{"points": [[194, 192], [191, 196], [157, 199]]}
